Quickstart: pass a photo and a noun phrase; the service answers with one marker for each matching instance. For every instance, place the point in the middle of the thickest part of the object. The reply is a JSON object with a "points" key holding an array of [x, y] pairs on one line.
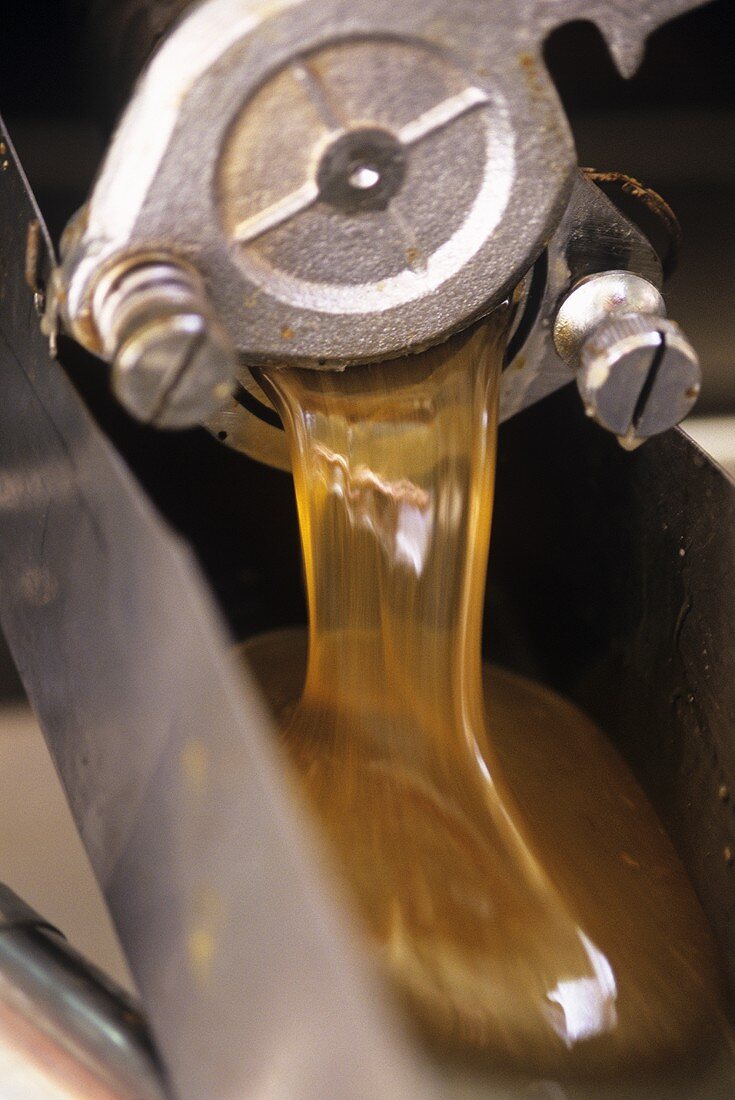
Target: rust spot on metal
{"points": [[530, 70], [535, 78], [33, 255], [551, 120], [655, 218]]}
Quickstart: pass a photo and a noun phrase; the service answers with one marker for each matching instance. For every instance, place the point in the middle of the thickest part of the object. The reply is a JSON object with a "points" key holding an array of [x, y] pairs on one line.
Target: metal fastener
{"points": [[638, 376], [637, 373], [593, 300], [173, 363]]}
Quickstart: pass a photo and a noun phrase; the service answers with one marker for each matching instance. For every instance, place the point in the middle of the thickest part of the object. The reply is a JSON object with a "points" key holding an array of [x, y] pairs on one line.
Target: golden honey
{"points": [[515, 883]]}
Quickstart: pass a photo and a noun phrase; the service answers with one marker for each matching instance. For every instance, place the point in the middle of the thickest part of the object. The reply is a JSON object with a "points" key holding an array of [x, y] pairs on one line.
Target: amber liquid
{"points": [[517, 887]]}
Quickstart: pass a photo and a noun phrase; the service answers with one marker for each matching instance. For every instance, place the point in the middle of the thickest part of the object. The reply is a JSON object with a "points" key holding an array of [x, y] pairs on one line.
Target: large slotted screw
{"points": [[173, 363], [637, 373], [638, 376]]}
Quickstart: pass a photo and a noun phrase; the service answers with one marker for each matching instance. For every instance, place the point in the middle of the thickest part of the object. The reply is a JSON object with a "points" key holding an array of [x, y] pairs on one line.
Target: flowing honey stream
{"points": [[516, 885]]}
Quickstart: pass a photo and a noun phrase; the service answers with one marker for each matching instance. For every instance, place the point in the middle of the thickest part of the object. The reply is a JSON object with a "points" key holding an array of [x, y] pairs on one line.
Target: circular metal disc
{"points": [[361, 178]]}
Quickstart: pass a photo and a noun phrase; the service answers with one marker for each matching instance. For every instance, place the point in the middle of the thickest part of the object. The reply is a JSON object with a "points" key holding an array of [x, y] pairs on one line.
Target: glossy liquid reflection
{"points": [[549, 927]]}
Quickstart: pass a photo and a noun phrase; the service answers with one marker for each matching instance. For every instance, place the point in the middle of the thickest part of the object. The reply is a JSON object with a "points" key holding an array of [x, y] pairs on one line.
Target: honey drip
{"points": [[515, 883]]}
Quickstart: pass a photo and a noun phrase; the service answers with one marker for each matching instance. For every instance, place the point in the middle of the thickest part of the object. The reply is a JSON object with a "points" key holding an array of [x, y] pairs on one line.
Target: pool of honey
{"points": [[515, 884]]}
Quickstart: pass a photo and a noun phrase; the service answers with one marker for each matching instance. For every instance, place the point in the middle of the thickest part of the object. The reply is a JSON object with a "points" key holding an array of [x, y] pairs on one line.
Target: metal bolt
{"points": [[596, 298], [173, 363], [638, 376], [637, 373]]}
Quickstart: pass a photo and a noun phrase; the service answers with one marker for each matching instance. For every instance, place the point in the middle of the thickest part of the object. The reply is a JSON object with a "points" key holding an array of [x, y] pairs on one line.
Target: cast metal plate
{"points": [[353, 179]]}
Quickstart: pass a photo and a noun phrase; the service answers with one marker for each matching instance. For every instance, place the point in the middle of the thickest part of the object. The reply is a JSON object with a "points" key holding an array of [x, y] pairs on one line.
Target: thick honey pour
{"points": [[517, 887]]}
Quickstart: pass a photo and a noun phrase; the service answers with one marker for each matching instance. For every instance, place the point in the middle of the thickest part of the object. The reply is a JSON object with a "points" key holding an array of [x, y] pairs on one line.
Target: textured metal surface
{"points": [[483, 150], [246, 974], [591, 237], [449, 110], [66, 1033]]}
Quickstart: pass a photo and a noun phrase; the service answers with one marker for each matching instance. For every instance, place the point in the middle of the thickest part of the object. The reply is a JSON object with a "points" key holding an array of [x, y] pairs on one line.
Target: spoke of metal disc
{"points": [[249, 229], [436, 118]]}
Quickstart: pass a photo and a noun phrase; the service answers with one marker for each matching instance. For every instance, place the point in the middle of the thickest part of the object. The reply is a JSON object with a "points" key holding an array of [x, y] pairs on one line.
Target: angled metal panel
{"points": [[249, 981]]}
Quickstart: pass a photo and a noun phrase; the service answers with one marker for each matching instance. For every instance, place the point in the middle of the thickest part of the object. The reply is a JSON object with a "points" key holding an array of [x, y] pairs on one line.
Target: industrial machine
{"points": [[325, 183]]}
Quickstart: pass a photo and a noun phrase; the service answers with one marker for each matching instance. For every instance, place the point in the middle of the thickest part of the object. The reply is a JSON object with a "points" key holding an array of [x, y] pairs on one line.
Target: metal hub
{"points": [[362, 170]]}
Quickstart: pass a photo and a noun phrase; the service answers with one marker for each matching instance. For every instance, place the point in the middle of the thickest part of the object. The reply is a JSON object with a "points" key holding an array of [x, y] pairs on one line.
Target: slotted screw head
{"points": [[638, 376], [173, 363], [174, 371]]}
